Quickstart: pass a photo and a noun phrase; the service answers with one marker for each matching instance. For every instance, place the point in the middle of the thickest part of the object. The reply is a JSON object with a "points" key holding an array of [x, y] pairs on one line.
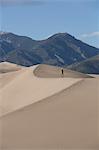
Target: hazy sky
{"points": [[41, 18]]}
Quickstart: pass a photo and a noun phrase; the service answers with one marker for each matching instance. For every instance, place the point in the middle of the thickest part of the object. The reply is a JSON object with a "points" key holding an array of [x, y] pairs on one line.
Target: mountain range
{"points": [[61, 49], [90, 66]]}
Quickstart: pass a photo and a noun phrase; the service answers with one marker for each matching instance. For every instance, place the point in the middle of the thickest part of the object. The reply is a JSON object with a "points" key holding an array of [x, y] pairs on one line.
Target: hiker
{"points": [[62, 72]]}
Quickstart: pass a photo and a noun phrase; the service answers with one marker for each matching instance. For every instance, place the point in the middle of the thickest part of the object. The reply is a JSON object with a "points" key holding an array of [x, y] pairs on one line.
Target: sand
{"points": [[47, 71], [6, 67], [25, 88], [41, 111]]}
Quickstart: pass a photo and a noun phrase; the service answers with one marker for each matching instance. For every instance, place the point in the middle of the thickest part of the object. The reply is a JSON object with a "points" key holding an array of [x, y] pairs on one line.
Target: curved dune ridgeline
{"points": [[41, 109]]}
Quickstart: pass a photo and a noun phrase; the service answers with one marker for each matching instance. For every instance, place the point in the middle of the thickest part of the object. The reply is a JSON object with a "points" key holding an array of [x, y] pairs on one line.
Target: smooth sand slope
{"points": [[24, 88], [6, 67], [47, 71], [7, 72], [45, 112]]}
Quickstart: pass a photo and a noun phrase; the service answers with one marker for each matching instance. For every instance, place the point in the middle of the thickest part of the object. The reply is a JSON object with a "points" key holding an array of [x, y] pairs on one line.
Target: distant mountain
{"points": [[90, 66], [60, 49]]}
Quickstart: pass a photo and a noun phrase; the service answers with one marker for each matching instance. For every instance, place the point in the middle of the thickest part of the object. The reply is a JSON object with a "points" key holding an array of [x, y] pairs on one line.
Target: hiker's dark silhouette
{"points": [[62, 72]]}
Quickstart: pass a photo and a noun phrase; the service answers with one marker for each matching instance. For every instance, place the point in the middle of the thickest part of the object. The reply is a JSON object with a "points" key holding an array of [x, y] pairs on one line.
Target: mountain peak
{"points": [[59, 49], [64, 35]]}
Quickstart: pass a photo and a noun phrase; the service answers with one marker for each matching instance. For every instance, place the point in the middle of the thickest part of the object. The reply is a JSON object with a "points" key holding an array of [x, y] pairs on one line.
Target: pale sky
{"points": [[41, 18]]}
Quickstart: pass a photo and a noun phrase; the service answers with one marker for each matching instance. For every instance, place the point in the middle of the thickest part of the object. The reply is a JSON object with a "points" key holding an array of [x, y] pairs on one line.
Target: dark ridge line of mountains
{"points": [[61, 49], [89, 66]]}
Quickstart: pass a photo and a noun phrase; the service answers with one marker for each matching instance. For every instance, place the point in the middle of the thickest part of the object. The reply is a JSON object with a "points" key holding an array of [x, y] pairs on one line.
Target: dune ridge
{"points": [[6, 67], [48, 71], [19, 94], [6, 112], [44, 110], [65, 118]]}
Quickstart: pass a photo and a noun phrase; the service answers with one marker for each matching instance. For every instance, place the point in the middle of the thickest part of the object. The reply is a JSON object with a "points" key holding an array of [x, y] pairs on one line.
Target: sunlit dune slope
{"points": [[6, 67], [68, 120], [48, 71], [24, 87], [41, 109]]}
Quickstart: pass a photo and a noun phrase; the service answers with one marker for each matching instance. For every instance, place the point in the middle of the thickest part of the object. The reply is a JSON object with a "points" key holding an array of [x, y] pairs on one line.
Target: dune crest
{"points": [[26, 88], [48, 71], [41, 109], [6, 67]]}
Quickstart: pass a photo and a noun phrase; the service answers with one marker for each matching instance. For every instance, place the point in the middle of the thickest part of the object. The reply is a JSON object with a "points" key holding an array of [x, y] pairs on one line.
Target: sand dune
{"points": [[47, 71], [7, 72], [25, 88], [45, 111], [6, 67]]}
